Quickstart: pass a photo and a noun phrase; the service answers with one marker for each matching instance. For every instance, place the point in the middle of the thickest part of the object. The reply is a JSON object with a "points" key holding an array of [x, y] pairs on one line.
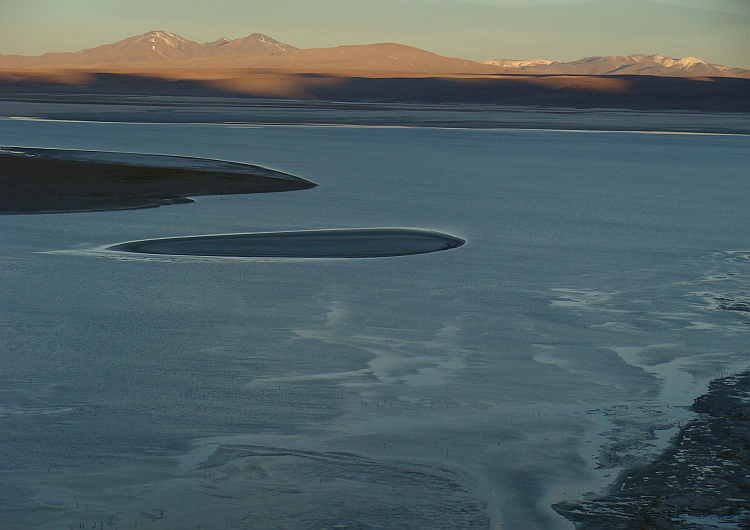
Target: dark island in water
{"points": [[62, 180]]}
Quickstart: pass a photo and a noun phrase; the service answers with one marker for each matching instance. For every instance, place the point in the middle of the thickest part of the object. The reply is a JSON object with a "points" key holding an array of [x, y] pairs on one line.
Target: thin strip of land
{"points": [[57, 181], [344, 243], [638, 92]]}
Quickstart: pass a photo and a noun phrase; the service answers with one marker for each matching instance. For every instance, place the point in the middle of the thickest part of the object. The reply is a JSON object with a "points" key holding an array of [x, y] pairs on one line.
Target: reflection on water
{"points": [[470, 387]]}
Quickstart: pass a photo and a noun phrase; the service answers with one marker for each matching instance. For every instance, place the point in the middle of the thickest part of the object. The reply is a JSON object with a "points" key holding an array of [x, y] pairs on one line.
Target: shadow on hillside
{"points": [[633, 92]]}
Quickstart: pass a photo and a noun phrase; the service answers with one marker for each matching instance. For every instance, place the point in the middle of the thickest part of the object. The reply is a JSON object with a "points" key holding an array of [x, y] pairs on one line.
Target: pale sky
{"points": [[716, 31]]}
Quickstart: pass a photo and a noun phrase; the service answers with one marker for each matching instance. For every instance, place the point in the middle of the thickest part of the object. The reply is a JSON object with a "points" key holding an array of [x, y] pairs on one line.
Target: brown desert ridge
{"points": [[164, 64]]}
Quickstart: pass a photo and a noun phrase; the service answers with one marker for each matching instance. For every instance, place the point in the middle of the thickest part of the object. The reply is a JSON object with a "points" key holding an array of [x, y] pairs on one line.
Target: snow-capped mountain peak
{"points": [[637, 64], [511, 63], [685, 62]]}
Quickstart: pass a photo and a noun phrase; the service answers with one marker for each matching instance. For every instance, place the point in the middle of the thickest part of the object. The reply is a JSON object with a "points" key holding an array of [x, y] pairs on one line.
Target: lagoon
{"points": [[471, 388]]}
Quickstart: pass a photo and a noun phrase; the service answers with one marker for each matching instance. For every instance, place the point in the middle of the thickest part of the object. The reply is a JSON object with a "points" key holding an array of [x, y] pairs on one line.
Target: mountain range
{"points": [[622, 65], [163, 50]]}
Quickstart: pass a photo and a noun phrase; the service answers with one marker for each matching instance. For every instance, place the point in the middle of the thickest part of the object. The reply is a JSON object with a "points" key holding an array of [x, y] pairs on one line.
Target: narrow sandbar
{"points": [[57, 180], [351, 243]]}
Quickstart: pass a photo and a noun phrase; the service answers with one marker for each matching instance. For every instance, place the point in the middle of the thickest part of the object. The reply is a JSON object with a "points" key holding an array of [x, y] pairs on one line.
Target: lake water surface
{"points": [[469, 388]]}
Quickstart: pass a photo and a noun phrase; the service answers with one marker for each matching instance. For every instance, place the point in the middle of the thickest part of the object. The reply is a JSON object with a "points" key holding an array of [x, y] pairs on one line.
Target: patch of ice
{"points": [[196, 457]]}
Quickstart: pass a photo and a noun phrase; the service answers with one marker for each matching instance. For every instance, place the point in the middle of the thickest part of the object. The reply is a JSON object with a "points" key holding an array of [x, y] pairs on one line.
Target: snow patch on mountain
{"points": [[685, 62], [510, 63], [638, 64]]}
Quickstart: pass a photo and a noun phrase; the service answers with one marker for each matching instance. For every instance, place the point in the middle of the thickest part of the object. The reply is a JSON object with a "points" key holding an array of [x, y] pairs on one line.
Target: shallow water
{"points": [[469, 388]]}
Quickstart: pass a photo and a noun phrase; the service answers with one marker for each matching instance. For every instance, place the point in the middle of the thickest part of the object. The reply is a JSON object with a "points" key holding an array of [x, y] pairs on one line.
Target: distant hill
{"points": [[162, 50], [159, 49], [621, 65]]}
